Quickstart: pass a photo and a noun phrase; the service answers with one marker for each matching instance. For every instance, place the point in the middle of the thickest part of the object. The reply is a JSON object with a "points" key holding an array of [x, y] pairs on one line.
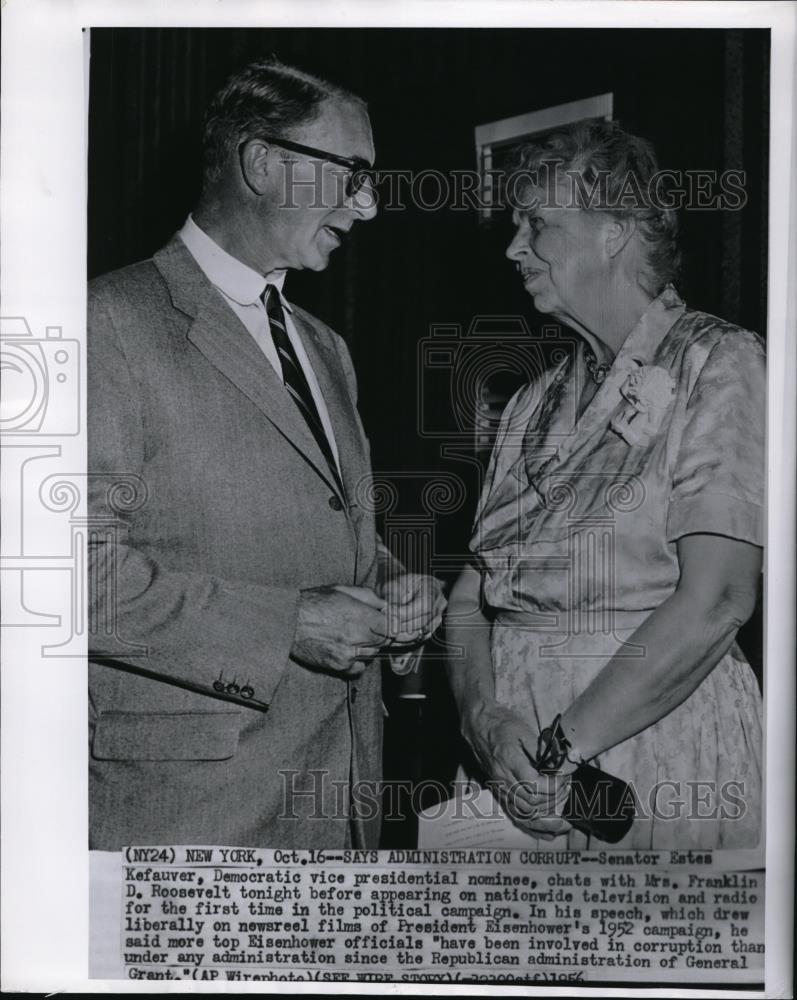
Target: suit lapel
{"points": [[226, 344]]}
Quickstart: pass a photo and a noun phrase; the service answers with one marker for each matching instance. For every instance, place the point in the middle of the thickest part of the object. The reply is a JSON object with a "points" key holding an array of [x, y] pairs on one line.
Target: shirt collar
{"points": [[231, 276]]}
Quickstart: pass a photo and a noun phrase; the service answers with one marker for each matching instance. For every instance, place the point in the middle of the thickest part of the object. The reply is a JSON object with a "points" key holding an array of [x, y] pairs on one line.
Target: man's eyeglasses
{"points": [[358, 170]]}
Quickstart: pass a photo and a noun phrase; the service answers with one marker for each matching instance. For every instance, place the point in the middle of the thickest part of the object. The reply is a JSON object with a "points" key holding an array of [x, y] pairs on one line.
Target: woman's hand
{"points": [[505, 746]]}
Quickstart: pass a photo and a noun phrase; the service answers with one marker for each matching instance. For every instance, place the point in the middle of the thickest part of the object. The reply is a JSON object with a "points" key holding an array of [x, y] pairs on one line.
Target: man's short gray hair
{"points": [[267, 96]]}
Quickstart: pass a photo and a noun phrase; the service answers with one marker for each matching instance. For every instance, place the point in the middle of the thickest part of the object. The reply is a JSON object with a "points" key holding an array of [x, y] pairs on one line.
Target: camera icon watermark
{"points": [[41, 380], [466, 378]]}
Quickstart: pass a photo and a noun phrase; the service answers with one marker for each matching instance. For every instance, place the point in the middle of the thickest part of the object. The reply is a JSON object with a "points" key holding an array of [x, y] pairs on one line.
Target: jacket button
{"points": [[219, 686], [247, 692], [232, 688], [335, 502]]}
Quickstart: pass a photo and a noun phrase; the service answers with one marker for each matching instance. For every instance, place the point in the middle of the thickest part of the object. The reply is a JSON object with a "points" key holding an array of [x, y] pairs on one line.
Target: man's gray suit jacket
{"points": [[210, 507]]}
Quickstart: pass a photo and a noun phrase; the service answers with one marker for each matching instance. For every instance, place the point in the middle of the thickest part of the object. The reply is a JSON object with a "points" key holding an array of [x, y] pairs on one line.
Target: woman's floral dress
{"points": [[576, 536]]}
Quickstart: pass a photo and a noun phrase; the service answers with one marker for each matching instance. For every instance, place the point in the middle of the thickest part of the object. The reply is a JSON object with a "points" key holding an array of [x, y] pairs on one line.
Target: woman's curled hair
{"points": [[599, 167]]}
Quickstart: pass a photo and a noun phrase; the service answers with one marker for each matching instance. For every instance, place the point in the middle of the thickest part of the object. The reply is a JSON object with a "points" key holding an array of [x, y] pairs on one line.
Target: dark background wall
{"points": [[701, 96]]}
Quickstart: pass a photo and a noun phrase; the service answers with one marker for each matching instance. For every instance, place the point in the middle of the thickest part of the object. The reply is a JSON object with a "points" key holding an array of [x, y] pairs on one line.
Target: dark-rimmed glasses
{"points": [[359, 170]]}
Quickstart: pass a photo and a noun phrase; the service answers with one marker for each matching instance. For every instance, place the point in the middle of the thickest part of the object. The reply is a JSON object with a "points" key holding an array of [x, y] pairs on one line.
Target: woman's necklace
{"points": [[597, 372]]}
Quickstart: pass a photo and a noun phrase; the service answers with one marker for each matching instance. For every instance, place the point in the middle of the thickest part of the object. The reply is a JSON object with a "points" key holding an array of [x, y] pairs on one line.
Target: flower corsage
{"points": [[648, 391]]}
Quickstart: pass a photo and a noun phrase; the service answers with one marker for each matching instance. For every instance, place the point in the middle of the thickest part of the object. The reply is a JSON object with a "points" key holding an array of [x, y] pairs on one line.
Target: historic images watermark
{"points": [[314, 795], [41, 381], [461, 366], [548, 186], [455, 408], [40, 420]]}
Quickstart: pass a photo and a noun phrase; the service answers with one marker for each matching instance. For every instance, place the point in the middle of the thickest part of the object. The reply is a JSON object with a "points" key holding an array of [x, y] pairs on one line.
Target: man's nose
{"points": [[363, 201]]}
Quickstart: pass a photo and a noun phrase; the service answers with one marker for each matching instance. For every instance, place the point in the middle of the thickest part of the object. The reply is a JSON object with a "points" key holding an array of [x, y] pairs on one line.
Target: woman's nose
{"points": [[518, 248]]}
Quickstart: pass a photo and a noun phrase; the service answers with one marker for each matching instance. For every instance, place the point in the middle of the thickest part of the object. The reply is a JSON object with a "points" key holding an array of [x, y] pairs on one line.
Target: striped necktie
{"points": [[294, 378]]}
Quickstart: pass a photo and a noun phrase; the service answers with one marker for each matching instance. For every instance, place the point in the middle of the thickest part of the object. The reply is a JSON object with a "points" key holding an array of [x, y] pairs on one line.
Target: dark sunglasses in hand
{"points": [[359, 170]]}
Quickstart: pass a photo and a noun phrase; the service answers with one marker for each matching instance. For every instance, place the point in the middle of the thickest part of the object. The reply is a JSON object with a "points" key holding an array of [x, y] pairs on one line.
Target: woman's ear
{"points": [[618, 233], [254, 165]]}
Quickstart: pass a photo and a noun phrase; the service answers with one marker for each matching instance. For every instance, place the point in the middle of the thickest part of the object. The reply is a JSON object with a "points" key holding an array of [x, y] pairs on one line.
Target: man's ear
{"points": [[254, 165], [618, 233]]}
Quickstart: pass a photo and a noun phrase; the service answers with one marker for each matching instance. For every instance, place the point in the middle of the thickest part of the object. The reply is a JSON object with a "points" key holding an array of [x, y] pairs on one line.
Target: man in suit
{"points": [[239, 592]]}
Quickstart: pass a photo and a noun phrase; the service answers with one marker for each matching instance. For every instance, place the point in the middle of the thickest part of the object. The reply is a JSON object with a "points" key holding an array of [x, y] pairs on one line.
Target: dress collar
{"points": [[652, 327], [231, 276]]}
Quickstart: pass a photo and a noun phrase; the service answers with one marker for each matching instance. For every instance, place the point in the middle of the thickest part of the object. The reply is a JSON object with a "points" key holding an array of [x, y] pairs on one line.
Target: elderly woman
{"points": [[618, 541]]}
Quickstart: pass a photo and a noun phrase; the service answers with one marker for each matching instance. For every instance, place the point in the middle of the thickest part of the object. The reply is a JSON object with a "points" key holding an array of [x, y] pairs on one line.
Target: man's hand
{"points": [[504, 746], [415, 606], [339, 628]]}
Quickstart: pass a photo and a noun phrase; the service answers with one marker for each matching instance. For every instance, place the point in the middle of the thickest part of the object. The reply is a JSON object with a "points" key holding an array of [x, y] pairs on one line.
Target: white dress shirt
{"points": [[241, 287]]}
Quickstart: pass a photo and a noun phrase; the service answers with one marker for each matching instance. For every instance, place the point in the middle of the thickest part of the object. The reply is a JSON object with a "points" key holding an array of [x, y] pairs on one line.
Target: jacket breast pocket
{"points": [[166, 735]]}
